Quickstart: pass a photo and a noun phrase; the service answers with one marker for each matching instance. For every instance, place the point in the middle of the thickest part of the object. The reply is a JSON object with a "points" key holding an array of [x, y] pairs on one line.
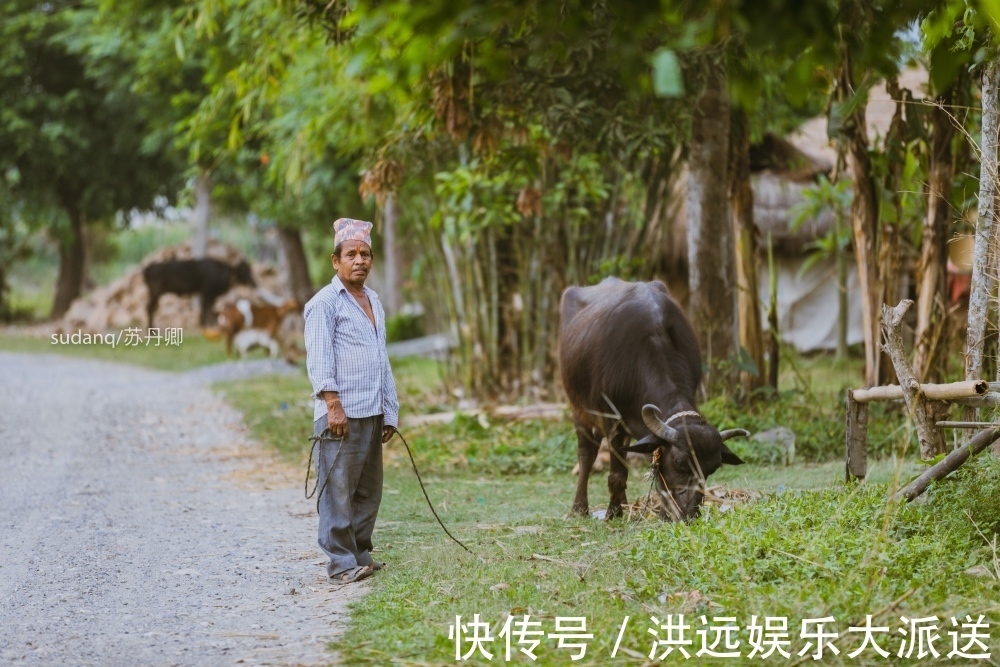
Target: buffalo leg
{"points": [[207, 304], [586, 453], [154, 300], [618, 477]]}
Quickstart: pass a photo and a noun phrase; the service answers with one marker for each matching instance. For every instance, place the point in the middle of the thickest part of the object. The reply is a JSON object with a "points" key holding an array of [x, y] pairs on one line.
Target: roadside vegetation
{"points": [[795, 542]]}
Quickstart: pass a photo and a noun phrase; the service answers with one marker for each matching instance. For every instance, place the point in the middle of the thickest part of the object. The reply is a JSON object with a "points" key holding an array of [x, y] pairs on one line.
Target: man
{"points": [[355, 401]]}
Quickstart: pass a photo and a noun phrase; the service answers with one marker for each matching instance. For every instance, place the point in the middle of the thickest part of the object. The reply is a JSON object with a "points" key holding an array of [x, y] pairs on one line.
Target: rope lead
{"points": [[327, 435]]}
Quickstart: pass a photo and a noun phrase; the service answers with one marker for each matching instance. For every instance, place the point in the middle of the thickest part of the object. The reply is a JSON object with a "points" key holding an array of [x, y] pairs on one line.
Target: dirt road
{"points": [[140, 526]]}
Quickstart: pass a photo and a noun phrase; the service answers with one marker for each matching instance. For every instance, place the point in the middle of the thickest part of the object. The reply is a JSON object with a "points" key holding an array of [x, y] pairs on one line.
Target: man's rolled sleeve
{"points": [[320, 325]]}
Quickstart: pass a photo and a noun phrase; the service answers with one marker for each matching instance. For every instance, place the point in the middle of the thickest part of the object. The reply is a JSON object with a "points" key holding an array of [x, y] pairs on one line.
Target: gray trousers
{"points": [[350, 499]]}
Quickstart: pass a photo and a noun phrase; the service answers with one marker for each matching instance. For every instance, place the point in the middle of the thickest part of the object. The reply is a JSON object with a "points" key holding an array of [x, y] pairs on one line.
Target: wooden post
{"points": [[857, 438], [921, 412]]}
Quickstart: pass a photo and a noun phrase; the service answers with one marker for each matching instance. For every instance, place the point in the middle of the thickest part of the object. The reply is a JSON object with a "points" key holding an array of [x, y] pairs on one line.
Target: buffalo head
{"points": [[242, 275], [688, 453]]}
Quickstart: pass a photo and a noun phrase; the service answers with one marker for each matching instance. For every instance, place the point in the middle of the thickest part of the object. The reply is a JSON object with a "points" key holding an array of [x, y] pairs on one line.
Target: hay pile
{"points": [[646, 506], [122, 303]]}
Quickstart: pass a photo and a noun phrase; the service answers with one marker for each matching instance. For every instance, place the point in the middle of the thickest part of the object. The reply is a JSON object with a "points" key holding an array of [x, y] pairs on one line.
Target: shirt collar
{"points": [[341, 287]]}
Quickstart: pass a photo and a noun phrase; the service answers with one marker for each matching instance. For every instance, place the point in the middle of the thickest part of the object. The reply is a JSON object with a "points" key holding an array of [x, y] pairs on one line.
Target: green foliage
{"points": [[474, 445], [75, 137], [13, 245], [620, 266], [404, 327], [473, 198], [823, 196]]}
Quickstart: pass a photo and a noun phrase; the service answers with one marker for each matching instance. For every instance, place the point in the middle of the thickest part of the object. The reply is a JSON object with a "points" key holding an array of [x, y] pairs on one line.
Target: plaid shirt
{"points": [[346, 354]]}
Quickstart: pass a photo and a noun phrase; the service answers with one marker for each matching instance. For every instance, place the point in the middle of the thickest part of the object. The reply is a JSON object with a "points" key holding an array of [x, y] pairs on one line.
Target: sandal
{"points": [[377, 566], [356, 574]]}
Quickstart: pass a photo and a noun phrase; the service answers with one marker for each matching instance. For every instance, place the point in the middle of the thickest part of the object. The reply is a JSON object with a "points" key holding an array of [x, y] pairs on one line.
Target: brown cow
{"points": [[244, 314], [630, 366]]}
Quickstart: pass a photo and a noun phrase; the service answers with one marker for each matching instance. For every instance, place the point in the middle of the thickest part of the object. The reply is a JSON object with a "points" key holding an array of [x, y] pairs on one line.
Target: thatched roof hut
{"points": [[782, 168]]}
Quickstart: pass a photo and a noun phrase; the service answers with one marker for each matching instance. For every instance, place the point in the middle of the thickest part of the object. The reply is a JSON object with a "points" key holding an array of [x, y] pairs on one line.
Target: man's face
{"points": [[354, 263]]}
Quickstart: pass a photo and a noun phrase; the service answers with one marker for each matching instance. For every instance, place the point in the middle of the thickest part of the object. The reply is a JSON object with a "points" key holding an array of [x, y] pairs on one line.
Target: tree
{"points": [[76, 139], [545, 121]]}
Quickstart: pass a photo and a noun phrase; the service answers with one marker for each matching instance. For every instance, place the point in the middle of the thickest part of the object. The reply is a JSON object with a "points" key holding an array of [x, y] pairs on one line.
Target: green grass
{"points": [[841, 552], [809, 547], [193, 352], [277, 409]]}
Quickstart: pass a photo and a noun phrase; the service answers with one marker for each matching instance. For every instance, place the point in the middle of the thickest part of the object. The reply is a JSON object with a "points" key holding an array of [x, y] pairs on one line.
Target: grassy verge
{"points": [[193, 352], [836, 552], [809, 547]]}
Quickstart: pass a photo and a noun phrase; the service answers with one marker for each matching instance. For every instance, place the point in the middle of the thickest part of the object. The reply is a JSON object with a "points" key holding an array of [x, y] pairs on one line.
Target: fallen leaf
{"points": [[499, 587]]}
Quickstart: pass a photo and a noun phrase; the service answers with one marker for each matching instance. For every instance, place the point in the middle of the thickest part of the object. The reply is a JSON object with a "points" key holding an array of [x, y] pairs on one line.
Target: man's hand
{"points": [[336, 418], [387, 433]]}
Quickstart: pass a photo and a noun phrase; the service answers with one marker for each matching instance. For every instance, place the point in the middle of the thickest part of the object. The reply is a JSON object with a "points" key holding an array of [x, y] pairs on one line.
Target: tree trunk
{"points": [[296, 263], [983, 260], [864, 223], [393, 299], [72, 258], [745, 232], [202, 209], [931, 275], [712, 277]]}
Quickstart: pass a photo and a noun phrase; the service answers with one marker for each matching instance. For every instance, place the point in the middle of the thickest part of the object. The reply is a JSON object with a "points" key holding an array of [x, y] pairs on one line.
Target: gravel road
{"points": [[139, 525]]}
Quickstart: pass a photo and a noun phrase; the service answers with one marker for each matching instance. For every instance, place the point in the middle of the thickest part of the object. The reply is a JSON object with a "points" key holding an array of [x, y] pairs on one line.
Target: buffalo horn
{"points": [[734, 433], [650, 415]]}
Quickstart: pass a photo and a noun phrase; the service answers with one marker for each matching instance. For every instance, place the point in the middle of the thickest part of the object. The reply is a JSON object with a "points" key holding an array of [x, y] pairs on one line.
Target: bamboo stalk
{"points": [[988, 399], [948, 464], [935, 392], [965, 425]]}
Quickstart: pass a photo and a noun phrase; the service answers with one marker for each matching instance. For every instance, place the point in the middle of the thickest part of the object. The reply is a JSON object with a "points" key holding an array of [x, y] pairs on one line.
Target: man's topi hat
{"points": [[349, 229]]}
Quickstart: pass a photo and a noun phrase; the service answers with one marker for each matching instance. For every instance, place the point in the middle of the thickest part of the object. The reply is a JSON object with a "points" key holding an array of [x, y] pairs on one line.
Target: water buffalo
{"points": [[630, 366], [209, 278]]}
